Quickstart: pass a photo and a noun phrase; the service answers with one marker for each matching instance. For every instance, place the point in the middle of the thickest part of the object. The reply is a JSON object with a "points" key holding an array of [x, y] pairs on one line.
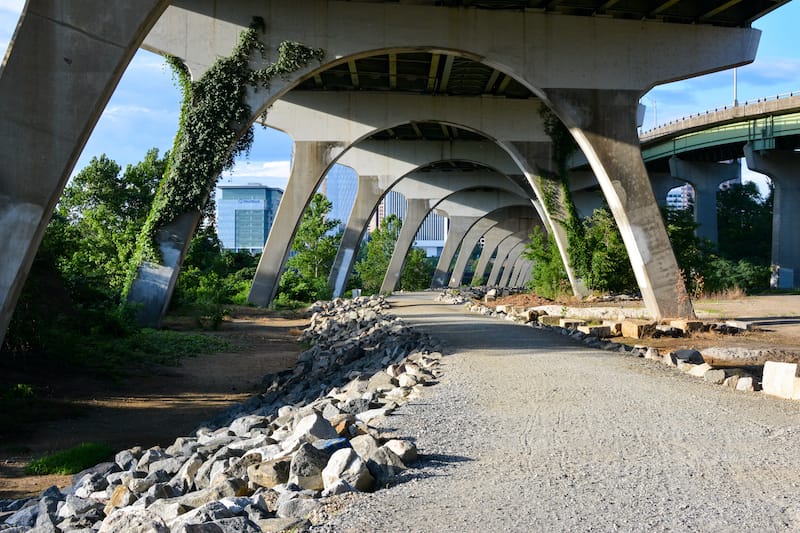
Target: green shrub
{"points": [[72, 460]]}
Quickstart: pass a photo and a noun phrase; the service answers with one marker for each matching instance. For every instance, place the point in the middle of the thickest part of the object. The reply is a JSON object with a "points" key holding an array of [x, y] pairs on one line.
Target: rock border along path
{"points": [[530, 431], [273, 463]]}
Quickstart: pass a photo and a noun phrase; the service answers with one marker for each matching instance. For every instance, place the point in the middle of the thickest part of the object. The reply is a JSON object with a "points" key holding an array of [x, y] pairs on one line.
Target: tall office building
{"points": [[340, 187], [245, 214], [431, 234]]}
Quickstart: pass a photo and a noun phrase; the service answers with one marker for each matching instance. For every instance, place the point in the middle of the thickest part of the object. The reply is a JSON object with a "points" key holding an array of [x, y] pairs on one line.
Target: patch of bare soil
{"points": [[151, 409]]}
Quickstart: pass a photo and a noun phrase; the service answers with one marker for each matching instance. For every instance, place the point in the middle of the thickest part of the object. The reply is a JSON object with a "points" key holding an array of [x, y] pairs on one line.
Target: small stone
{"points": [[715, 376], [270, 473], [306, 467], [346, 465], [404, 449]]}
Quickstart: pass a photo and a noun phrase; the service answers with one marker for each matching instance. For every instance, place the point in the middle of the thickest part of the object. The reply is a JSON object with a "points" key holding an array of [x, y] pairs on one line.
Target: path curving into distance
{"points": [[529, 431]]}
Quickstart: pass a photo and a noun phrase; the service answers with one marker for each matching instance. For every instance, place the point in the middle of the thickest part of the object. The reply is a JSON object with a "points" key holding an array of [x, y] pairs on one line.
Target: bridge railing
{"points": [[728, 112]]}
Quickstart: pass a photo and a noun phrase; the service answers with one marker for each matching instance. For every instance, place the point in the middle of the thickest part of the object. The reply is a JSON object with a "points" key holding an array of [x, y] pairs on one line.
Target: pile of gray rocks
{"points": [[277, 462]]}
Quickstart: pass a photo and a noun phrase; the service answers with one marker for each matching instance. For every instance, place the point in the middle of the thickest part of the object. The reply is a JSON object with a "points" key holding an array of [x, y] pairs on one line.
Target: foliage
{"points": [[607, 268], [72, 460], [418, 271], [372, 268], [708, 272], [744, 221], [549, 278], [212, 278], [314, 250], [214, 128]]}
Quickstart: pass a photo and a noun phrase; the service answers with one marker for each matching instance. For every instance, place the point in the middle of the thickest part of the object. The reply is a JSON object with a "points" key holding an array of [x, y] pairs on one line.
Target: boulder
{"points": [[346, 465], [780, 379], [306, 467], [404, 449], [384, 465], [270, 473]]}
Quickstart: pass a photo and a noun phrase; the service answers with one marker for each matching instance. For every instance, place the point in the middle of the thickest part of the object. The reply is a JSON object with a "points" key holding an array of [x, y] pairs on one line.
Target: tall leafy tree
{"points": [[549, 278], [314, 249], [417, 272], [372, 268], [744, 221]]}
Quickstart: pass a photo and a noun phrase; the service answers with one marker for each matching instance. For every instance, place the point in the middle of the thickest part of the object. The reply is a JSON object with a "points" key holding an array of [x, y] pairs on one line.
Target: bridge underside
{"points": [[587, 61]]}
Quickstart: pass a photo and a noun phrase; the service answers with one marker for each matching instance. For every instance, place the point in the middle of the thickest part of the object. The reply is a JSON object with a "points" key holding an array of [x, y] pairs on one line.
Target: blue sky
{"points": [[143, 112]]}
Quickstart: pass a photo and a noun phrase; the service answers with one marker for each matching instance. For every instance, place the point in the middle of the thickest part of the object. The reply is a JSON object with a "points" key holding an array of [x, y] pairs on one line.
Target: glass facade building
{"points": [[245, 214]]}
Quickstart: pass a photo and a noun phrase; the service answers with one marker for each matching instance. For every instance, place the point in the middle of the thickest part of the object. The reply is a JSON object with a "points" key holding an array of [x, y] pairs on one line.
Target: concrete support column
{"points": [[458, 227], [491, 240], [309, 164], [662, 183], [783, 168], [503, 250], [467, 246], [705, 177], [152, 289], [367, 197], [62, 66], [416, 211], [603, 123], [511, 264], [517, 273], [477, 231]]}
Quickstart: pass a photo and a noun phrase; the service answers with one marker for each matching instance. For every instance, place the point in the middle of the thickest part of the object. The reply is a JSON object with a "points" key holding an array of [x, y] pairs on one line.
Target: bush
{"points": [[549, 278]]}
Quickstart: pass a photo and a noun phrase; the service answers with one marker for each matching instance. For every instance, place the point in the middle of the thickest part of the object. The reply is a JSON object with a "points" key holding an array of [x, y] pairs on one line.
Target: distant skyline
{"points": [[143, 111]]}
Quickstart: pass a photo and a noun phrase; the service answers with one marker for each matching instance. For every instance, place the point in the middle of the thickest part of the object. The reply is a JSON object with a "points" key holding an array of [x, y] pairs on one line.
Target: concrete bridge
{"points": [[440, 71]]}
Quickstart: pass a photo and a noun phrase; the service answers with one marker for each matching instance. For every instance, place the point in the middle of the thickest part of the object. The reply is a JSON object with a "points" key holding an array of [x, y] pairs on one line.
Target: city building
{"points": [[245, 214]]}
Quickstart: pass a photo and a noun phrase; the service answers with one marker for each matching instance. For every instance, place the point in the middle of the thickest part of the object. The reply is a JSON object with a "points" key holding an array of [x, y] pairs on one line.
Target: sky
{"points": [[143, 111]]}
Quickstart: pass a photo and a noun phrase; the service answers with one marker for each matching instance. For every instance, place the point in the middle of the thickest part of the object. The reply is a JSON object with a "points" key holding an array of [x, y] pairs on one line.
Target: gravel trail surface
{"points": [[529, 431]]}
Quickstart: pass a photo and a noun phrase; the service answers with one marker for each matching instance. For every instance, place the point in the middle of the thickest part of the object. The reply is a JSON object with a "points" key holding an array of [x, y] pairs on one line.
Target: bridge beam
{"points": [[463, 203], [783, 168], [63, 64], [603, 123], [705, 177], [477, 231], [381, 165]]}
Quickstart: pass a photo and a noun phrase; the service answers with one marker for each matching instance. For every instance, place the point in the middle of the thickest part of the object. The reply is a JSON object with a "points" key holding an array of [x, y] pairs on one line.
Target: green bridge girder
{"points": [[761, 132]]}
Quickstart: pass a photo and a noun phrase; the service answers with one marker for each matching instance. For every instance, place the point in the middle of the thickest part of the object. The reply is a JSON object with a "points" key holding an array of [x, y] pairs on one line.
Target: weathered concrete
{"points": [[62, 66], [493, 238], [464, 203], [782, 167], [310, 162], [458, 228], [705, 178], [152, 289], [604, 125], [510, 264], [504, 249], [423, 185], [477, 231]]}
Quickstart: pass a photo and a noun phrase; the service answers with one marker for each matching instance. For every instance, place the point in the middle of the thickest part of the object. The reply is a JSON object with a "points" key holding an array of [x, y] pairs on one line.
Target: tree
{"points": [[549, 278], [372, 269], [744, 221], [417, 272], [609, 268], [314, 248]]}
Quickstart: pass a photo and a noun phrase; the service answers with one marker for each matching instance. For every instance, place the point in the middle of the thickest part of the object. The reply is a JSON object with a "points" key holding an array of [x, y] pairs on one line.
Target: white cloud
{"points": [[126, 112], [259, 169]]}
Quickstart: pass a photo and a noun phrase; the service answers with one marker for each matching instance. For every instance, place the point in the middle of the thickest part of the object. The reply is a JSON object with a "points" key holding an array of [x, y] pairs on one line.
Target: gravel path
{"points": [[529, 431]]}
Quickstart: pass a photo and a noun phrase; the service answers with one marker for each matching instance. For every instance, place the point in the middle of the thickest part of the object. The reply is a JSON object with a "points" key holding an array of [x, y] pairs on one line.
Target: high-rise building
{"points": [[431, 234], [245, 214], [340, 187]]}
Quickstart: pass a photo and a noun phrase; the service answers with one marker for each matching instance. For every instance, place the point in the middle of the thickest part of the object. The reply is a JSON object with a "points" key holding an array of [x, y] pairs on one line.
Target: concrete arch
{"points": [[477, 231], [382, 173], [467, 202], [62, 66], [312, 158]]}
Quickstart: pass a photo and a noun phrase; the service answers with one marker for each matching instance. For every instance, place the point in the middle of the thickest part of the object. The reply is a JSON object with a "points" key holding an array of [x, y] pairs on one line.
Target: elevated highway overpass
{"points": [[588, 62]]}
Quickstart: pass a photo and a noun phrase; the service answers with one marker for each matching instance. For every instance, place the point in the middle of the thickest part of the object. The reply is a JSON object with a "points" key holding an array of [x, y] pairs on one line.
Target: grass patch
{"points": [[113, 357], [72, 460]]}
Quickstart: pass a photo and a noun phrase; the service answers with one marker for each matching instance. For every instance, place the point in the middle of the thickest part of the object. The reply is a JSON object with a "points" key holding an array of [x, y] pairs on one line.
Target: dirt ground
{"points": [[153, 409]]}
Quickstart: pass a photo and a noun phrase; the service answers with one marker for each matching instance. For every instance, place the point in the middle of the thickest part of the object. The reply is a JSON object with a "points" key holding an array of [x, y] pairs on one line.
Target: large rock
{"points": [[780, 379], [384, 465], [739, 356], [346, 465], [306, 468], [133, 520], [270, 473]]}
